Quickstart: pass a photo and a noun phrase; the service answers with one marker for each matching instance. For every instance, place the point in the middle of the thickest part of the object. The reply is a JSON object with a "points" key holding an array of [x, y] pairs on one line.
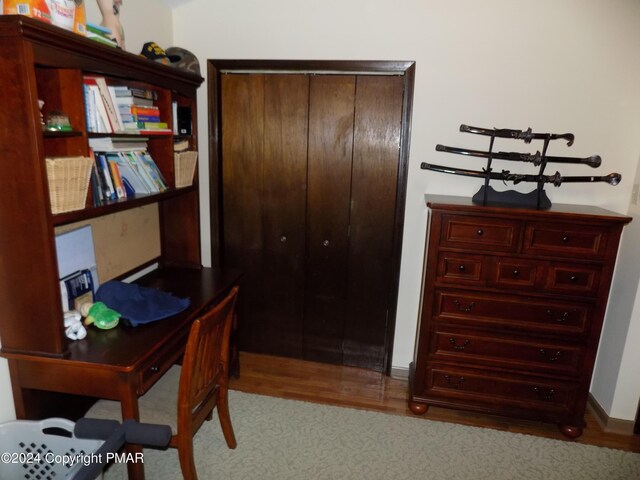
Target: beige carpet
{"points": [[285, 439]]}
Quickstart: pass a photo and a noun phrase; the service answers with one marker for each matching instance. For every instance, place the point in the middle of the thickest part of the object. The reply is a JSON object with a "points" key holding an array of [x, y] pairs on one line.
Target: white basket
{"points": [[24, 441], [185, 168]]}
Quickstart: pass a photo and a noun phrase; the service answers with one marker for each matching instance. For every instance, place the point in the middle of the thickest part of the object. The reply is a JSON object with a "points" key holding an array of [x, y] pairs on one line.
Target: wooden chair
{"points": [[199, 386]]}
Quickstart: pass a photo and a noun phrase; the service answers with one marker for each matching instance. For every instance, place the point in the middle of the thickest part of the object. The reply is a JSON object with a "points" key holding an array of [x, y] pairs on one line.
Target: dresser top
{"points": [[455, 203]]}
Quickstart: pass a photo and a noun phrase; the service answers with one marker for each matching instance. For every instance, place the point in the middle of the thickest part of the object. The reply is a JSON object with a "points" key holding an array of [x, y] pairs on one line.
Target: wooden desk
{"points": [[123, 363]]}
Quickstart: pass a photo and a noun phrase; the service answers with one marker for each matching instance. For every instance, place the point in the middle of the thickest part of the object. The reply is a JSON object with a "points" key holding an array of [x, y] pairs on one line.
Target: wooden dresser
{"points": [[512, 309]]}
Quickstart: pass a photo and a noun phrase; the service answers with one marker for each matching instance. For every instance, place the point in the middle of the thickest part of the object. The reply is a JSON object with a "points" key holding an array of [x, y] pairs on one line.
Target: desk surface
{"points": [[107, 361], [124, 347]]}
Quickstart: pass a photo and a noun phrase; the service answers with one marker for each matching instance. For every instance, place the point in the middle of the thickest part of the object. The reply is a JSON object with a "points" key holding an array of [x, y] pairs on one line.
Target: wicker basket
{"points": [[68, 182], [185, 168]]}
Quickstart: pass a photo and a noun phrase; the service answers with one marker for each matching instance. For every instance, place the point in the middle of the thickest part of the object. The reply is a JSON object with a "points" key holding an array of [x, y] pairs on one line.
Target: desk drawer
{"points": [[512, 312], [479, 233], [515, 353], [160, 362]]}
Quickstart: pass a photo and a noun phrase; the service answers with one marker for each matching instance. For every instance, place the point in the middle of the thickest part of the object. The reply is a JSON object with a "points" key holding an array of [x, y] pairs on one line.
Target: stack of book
{"points": [[100, 34], [123, 168], [121, 109], [137, 110]]}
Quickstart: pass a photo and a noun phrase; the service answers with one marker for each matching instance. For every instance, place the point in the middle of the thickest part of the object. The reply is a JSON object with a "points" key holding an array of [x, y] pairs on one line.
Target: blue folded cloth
{"points": [[139, 305]]}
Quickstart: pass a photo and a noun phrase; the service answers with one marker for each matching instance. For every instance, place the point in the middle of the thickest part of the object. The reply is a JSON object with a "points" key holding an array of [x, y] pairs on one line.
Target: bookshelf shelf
{"points": [[56, 134], [46, 63], [119, 205]]}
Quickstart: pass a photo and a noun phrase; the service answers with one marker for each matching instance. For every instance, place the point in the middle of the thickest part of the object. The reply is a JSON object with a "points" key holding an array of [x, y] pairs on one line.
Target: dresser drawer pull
{"points": [[559, 319], [552, 357], [154, 369], [454, 384], [516, 273], [574, 278], [545, 395], [464, 309], [565, 239], [453, 341], [462, 268], [480, 232]]}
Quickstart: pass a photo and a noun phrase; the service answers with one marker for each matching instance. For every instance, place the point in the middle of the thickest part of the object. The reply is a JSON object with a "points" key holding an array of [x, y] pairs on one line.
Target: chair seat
{"points": [[157, 406]]}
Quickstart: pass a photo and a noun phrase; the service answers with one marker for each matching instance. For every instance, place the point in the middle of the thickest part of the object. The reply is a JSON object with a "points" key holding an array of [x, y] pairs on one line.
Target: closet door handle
{"points": [[325, 243], [283, 238]]}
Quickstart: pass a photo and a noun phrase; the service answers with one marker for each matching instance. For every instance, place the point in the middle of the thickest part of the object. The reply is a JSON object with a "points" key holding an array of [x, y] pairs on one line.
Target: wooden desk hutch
{"points": [[512, 309], [38, 61]]}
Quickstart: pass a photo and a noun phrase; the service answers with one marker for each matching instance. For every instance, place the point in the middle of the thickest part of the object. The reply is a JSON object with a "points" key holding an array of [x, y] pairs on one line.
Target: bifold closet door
{"points": [[264, 143], [310, 172], [374, 180], [331, 113], [354, 141]]}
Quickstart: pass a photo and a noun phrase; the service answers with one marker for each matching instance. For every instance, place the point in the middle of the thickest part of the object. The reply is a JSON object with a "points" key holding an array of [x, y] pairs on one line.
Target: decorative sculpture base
{"points": [[536, 199]]}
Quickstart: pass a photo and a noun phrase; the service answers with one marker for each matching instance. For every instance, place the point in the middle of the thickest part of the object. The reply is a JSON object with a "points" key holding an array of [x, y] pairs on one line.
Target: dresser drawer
{"points": [[479, 233], [460, 268], [516, 353], [498, 391], [573, 279], [572, 241], [512, 312], [516, 273]]}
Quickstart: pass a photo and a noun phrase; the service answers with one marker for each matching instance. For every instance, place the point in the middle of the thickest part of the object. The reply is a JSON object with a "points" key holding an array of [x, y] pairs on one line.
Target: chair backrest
{"points": [[205, 366]]}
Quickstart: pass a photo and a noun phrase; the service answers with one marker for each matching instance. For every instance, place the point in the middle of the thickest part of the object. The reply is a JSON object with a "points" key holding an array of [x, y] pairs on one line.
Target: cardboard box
{"points": [[68, 14]]}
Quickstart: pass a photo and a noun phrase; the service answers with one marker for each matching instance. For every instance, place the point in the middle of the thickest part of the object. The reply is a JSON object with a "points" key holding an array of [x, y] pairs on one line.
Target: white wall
{"points": [[553, 65]]}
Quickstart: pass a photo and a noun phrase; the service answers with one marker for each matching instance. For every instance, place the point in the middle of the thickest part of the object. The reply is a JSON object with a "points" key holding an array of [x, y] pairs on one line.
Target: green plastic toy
{"points": [[100, 315]]}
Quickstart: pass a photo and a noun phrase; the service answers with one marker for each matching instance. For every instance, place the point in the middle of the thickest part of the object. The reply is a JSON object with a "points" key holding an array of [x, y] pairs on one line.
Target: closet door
{"points": [[242, 107], [312, 174], [374, 179], [331, 113], [283, 202], [264, 141]]}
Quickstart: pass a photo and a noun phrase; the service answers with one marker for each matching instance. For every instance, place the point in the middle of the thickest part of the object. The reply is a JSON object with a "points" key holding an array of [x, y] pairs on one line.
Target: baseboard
{"points": [[401, 373], [607, 423]]}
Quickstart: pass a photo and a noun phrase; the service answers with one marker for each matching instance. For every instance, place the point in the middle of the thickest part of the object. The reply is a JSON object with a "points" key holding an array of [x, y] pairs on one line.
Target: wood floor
{"points": [[359, 388]]}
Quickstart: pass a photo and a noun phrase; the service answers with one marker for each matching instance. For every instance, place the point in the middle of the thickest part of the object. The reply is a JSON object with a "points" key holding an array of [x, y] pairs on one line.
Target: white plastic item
{"points": [[22, 442]]}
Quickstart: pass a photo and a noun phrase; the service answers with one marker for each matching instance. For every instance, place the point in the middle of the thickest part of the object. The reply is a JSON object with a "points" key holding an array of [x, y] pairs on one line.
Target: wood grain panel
{"points": [[331, 116], [284, 208], [25, 218], [242, 105], [378, 117]]}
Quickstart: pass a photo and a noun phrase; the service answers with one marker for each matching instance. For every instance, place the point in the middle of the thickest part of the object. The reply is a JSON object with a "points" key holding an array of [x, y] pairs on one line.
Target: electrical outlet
{"points": [[635, 192]]}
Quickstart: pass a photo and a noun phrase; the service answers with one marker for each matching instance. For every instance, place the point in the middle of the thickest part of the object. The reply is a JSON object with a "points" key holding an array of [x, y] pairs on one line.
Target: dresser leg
{"points": [[418, 408], [570, 431]]}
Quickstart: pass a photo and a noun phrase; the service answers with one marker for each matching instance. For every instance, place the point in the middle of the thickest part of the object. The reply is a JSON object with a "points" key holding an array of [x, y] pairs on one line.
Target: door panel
{"points": [[378, 118], [242, 106], [331, 114], [312, 180], [284, 209]]}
